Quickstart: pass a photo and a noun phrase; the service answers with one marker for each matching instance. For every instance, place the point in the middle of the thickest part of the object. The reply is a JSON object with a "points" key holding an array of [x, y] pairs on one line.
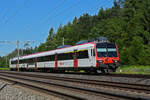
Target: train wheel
{"points": [[99, 71], [87, 71], [103, 71], [109, 70]]}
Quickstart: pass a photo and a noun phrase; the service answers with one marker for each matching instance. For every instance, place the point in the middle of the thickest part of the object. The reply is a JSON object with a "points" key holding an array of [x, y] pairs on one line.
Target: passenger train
{"points": [[93, 56]]}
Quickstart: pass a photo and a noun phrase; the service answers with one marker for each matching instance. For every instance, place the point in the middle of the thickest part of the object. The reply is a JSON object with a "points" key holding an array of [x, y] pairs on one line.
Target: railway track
{"points": [[108, 74], [80, 88]]}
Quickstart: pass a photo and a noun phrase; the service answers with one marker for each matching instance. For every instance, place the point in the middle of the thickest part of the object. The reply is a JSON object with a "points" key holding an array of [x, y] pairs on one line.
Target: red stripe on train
{"points": [[56, 62], [75, 60]]}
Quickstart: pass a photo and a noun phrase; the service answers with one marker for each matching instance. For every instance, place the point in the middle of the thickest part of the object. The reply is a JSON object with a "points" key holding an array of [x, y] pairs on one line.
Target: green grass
{"points": [[133, 70], [4, 68]]}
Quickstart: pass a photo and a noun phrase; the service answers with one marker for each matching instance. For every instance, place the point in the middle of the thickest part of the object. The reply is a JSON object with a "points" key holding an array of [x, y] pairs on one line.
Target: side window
{"points": [[46, 58], [14, 62], [68, 56], [39, 59], [59, 57], [52, 57], [31, 61], [65, 56], [22, 61], [93, 52], [83, 54]]}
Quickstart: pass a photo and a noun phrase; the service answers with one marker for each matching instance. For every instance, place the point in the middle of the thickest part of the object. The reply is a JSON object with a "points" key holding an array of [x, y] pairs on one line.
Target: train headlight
{"points": [[100, 61], [116, 61]]}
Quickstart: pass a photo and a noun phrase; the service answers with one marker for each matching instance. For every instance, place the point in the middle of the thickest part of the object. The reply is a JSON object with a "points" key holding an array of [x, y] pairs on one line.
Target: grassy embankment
{"points": [[134, 69], [4, 68]]}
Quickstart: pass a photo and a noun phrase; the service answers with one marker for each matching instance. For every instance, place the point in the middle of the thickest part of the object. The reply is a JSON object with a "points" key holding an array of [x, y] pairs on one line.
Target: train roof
{"points": [[56, 51]]}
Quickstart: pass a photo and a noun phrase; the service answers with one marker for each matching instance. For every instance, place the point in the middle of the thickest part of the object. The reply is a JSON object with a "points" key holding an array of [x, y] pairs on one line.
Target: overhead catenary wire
{"points": [[104, 5], [29, 27], [4, 13], [16, 12], [63, 11], [66, 10], [55, 9], [17, 43], [97, 6], [1, 12]]}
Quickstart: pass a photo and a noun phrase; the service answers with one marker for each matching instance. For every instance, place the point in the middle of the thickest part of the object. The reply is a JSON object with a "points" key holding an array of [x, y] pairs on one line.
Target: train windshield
{"points": [[106, 50]]}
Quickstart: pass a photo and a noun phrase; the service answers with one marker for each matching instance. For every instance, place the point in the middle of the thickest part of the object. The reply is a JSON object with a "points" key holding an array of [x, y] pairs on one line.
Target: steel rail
{"points": [[141, 87], [47, 91], [101, 92], [90, 92]]}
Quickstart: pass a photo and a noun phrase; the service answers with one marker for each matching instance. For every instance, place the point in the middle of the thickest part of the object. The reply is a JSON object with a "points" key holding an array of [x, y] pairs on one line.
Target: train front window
{"points": [[106, 50], [101, 52]]}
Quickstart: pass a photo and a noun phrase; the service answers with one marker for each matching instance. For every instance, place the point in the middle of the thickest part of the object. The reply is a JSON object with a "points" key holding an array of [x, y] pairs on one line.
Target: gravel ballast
{"points": [[12, 91], [129, 80]]}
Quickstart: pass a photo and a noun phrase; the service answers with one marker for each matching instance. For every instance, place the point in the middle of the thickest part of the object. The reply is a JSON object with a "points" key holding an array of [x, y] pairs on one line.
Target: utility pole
{"points": [[63, 41], [18, 43], [6, 60]]}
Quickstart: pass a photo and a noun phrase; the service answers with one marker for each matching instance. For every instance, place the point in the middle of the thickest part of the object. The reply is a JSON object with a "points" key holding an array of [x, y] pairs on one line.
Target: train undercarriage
{"points": [[102, 68]]}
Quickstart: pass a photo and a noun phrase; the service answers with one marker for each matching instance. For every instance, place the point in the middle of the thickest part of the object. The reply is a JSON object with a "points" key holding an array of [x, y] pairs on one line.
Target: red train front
{"points": [[107, 56]]}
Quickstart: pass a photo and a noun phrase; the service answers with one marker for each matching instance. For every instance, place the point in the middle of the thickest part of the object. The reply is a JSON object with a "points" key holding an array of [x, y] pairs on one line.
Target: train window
{"points": [[68, 56], [52, 57], [106, 50], [20, 61], [14, 62], [92, 52], [39, 59], [59, 57], [83, 54], [65, 56], [25, 61], [46, 58], [31, 61]]}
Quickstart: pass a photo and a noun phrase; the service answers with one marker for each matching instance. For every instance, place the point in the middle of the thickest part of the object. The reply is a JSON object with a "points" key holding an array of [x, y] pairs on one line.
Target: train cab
{"points": [[107, 56]]}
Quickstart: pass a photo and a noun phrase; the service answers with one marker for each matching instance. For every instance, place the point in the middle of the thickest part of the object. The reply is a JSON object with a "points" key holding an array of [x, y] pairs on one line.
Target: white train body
{"points": [[88, 56], [87, 60]]}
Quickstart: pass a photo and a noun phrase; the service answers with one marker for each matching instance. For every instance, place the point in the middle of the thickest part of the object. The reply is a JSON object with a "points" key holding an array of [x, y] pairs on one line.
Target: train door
{"points": [[92, 56], [56, 61], [75, 57], [35, 63]]}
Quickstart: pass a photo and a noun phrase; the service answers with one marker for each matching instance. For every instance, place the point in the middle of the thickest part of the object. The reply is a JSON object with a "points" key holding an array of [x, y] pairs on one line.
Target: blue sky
{"points": [[25, 20]]}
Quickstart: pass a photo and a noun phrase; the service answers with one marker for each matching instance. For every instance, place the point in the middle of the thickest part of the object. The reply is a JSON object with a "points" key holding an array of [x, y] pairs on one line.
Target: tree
{"points": [[127, 23]]}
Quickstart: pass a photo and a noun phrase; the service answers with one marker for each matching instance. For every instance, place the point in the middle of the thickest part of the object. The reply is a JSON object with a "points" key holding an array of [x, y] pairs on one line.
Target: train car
{"points": [[95, 56]]}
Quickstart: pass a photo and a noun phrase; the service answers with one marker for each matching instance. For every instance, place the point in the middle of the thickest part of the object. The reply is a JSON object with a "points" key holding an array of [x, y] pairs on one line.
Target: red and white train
{"points": [[94, 56]]}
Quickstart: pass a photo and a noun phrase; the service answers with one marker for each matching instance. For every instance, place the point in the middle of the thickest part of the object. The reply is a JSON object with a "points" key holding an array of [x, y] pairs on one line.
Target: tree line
{"points": [[127, 23]]}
